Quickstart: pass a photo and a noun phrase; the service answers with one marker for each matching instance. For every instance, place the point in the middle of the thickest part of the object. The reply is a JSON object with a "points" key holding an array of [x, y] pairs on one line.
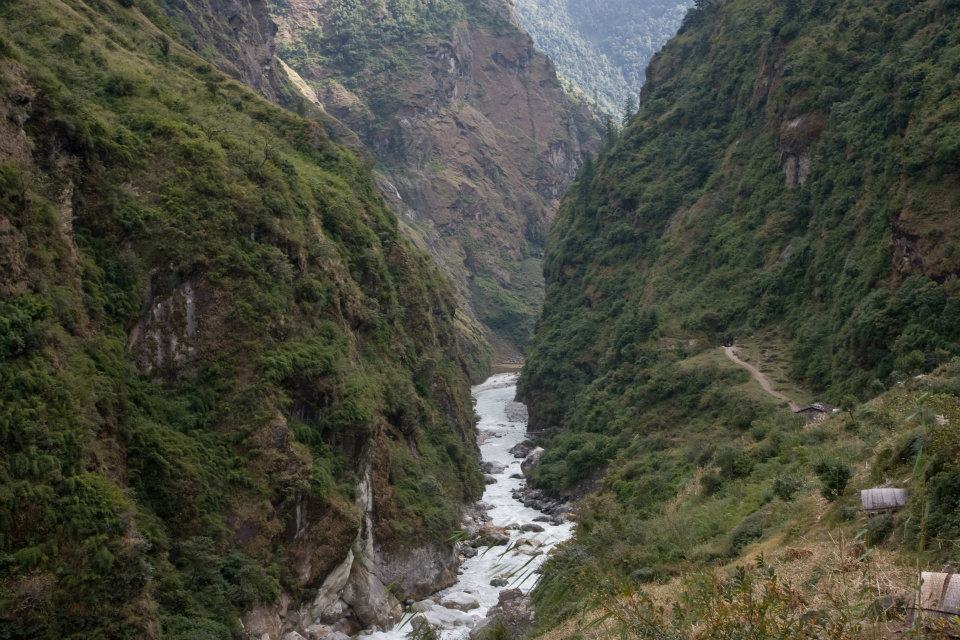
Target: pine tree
{"points": [[629, 109], [610, 130], [585, 178]]}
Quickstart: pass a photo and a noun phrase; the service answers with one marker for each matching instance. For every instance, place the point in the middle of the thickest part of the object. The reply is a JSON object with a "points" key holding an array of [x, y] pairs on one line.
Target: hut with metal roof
{"points": [[816, 412], [883, 500], [938, 596]]}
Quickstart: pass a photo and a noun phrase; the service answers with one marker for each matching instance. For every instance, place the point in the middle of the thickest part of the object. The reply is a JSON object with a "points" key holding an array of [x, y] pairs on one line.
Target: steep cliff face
{"points": [[468, 126], [234, 397], [238, 36]]}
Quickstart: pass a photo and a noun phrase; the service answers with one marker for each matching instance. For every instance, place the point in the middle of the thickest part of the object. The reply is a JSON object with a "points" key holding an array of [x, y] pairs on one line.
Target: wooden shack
{"points": [[938, 596], [883, 500]]}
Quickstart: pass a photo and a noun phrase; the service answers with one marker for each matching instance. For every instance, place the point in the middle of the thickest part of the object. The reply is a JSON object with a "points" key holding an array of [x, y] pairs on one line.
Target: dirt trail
{"points": [[763, 380]]}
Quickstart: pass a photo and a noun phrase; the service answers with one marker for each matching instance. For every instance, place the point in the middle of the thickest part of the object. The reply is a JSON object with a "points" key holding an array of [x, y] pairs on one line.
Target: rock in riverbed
{"points": [[532, 460], [460, 602], [493, 467], [491, 536], [515, 612], [521, 449]]}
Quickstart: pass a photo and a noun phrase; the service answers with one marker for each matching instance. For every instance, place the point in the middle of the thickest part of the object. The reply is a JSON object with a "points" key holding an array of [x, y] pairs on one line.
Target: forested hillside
{"points": [[473, 137], [790, 183], [602, 47], [221, 365]]}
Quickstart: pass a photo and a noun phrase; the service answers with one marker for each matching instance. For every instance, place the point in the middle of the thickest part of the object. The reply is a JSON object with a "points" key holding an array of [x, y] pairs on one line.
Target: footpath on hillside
{"points": [[759, 376]]}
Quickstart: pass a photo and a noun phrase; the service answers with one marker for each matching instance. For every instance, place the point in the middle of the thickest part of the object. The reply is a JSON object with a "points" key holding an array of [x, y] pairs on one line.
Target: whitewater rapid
{"points": [[502, 424]]}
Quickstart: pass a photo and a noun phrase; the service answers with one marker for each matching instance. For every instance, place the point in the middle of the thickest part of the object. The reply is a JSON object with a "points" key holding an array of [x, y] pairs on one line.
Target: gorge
{"points": [[269, 270]]}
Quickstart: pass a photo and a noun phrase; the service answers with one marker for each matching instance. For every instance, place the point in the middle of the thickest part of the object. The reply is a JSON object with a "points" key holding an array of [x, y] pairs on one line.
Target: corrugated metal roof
{"points": [[940, 593], [883, 498]]}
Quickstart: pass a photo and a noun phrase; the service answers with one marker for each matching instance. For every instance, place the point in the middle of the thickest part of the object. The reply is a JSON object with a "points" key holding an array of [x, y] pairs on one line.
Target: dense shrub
{"points": [[786, 487], [878, 529], [834, 476]]}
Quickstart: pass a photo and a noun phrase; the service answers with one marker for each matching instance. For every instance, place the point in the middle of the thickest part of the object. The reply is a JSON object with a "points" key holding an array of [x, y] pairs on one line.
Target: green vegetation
{"points": [[792, 172], [145, 501], [364, 38]]}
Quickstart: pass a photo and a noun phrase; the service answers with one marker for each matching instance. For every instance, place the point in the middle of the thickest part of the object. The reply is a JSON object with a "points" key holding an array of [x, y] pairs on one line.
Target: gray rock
{"points": [[488, 479], [491, 536], [417, 571], [493, 467], [293, 635], [535, 528], [499, 582], [318, 632], [514, 610], [370, 601], [531, 461], [460, 602], [521, 450]]}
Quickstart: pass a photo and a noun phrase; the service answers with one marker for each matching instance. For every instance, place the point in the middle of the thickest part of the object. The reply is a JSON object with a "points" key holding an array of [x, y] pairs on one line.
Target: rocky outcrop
{"points": [[531, 460], [241, 32], [351, 597], [417, 571], [513, 612], [180, 317]]}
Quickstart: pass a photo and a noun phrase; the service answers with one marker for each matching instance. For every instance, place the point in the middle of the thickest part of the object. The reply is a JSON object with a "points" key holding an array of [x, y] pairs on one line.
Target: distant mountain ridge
{"points": [[602, 47]]}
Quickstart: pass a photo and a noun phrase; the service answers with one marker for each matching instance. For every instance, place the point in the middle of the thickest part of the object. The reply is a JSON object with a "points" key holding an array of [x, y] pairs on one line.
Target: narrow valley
{"points": [[479, 319]]}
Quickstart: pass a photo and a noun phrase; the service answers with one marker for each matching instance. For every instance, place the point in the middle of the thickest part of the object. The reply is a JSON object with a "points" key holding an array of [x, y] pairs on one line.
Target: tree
{"points": [[610, 130], [585, 178], [835, 476], [629, 109]]}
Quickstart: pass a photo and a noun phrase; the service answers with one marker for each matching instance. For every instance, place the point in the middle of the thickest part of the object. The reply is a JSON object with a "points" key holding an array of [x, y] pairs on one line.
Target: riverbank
{"points": [[504, 541]]}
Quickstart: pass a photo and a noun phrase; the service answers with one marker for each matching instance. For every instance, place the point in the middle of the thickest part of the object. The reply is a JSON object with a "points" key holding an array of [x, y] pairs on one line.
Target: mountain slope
{"points": [[222, 367], [602, 47], [469, 128], [790, 180]]}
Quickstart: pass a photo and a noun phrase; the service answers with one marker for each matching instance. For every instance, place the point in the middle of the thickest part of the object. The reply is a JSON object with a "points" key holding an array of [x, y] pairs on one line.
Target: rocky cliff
{"points": [[235, 398], [469, 128]]}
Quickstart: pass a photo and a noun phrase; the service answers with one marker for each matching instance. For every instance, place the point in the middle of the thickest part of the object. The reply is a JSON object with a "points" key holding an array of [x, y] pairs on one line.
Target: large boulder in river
{"points": [[513, 611], [491, 536], [532, 460], [460, 602], [493, 467], [521, 449]]}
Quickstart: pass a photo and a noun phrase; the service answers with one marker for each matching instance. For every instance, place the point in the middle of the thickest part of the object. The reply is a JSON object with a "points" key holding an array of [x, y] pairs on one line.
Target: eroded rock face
{"points": [[242, 32], [796, 139], [477, 140], [418, 571], [171, 329], [352, 595]]}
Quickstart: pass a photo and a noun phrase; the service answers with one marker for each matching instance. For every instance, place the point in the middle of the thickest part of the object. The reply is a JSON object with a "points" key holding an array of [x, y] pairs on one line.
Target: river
{"points": [[502, 425]]}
